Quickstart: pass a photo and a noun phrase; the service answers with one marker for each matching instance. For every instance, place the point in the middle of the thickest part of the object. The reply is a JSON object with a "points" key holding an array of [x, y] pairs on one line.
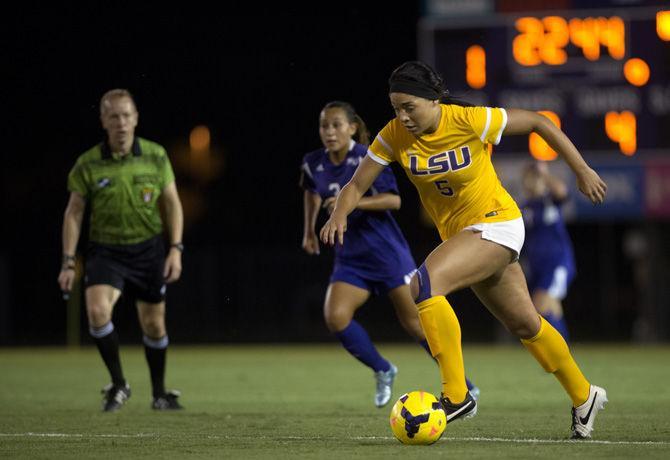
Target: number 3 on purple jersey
{"points": [[335, 188]]}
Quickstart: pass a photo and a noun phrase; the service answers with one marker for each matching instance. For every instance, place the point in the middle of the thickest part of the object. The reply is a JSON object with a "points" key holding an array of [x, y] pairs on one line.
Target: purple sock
{"points": [[424, 344], [357, 342]]}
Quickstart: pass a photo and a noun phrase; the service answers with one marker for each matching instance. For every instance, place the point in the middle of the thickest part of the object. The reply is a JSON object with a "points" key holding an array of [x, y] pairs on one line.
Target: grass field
{"points": [[314, 401]]}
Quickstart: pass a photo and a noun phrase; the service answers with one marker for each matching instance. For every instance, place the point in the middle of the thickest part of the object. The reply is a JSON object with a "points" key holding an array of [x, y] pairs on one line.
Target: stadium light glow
{"points": [[475, 66], [663, 25], [200, 138], [539, 149], [622, 128], [636, 72]]}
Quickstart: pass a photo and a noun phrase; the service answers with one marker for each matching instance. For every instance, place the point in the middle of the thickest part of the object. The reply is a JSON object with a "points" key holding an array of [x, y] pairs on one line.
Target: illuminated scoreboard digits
{"points": [[543, 40], [602, 76]]}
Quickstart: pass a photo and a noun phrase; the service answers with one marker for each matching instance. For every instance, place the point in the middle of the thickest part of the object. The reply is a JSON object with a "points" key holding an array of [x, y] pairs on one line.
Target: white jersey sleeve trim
{"points": [[377, 159], [487, 125], [502, 127], [385, 144]]}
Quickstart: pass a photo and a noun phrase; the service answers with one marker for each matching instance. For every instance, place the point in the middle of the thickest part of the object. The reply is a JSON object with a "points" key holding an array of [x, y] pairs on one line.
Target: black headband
{"points": [[414, 88]]}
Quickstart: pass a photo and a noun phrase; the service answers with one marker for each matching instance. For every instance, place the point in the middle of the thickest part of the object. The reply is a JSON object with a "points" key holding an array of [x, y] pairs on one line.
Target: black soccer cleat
{"points": [[168, 401], [466, 409], [114, 397]]}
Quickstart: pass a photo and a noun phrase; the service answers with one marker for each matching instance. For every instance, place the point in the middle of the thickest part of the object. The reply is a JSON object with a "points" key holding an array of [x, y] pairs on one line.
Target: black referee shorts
{"points": [[134, 269]]}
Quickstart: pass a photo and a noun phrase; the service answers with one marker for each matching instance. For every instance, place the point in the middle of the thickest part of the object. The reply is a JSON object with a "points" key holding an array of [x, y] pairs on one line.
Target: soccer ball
{"points": [[418, 418]]}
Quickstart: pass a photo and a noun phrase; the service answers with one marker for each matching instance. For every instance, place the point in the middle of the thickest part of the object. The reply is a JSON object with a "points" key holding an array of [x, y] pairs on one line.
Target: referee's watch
{"points": [[178, 246]]}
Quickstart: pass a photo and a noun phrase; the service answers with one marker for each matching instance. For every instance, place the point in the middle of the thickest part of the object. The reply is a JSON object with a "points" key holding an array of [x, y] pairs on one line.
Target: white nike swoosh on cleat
{"points": [[459, 411], [585, 420]]}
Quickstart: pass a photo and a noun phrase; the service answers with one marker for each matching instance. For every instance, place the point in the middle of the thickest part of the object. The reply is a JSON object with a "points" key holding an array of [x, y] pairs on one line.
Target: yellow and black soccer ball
{"points": [[418, 418]]}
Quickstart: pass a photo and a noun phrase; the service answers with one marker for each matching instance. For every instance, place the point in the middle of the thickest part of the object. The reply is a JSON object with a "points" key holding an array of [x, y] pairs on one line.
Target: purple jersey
{"points": [[547, 244], [373, 246]]}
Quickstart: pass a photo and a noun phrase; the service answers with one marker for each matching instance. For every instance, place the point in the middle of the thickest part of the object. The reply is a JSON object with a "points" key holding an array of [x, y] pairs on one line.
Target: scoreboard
{"points": [[602, 75]]}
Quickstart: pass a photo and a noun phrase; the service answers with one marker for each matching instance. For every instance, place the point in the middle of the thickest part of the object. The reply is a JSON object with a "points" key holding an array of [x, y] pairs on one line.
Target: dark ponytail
{"points": [[362, 135]]}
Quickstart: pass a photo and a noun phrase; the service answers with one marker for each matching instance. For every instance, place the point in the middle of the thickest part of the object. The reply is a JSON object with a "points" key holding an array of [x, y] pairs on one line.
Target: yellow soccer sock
{"points": [[550, 350], [443, 333]]}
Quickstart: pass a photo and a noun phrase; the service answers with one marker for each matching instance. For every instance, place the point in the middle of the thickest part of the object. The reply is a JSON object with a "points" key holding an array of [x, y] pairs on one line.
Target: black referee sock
{"points": [[155, 351], [107, 340]]}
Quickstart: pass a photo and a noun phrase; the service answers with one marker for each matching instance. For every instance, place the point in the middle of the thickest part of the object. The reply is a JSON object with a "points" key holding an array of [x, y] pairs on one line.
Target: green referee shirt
{"points": [[122, 190]]}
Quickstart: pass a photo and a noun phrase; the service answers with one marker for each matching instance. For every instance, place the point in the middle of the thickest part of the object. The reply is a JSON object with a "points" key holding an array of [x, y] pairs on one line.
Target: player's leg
{"points": [[342, 301], [104, 283], [100, 301], [506, 295], [405, 309], [408, 316], [152, 322], [451, 266], [155, 339], [145, 278]]}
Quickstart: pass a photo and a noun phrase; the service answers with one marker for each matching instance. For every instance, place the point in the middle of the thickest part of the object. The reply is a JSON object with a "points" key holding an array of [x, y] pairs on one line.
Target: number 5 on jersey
{"points": [[443, 187]]}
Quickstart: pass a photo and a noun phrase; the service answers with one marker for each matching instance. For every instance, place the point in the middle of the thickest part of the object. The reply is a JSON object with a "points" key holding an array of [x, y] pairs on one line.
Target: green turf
{"points": [[316, 402]]}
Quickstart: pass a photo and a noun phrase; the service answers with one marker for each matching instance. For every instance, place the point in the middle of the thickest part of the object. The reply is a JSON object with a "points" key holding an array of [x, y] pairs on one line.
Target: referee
{"points": [[123, 179]]}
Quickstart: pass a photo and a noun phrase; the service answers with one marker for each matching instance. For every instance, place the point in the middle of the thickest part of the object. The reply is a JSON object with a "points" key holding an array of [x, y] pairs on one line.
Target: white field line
{"points": [[538, 441], [333, 438], [76, 435]]}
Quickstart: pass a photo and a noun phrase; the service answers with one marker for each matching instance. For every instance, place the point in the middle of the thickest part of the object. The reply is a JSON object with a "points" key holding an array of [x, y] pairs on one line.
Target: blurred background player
{"points": [[123, 179], [376, 258], [548, 254], [444, 151]]}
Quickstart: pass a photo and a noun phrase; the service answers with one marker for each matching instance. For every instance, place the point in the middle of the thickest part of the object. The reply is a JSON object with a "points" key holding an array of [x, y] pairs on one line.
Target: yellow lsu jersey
{"points": [[451, 168]]}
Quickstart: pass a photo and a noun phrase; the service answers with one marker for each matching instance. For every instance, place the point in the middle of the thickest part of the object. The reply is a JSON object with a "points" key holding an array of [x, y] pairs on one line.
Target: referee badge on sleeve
{"points": [[147, 194]]}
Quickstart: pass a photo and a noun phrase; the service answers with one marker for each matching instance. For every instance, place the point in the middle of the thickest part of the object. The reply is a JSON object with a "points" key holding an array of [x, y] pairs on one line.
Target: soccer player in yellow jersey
{"points": [[443, 149]]}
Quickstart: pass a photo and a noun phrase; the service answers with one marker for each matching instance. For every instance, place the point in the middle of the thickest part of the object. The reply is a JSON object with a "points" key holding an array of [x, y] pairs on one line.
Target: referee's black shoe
{"points": [[466, 409], [168, 401], [115, 396]]}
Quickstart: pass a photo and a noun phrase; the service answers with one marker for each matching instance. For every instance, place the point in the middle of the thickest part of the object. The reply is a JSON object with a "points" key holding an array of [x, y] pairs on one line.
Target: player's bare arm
{"points": [[74, 215], [311, 204], [380, 202], [525, 122], [348, 199], [174, 220]]}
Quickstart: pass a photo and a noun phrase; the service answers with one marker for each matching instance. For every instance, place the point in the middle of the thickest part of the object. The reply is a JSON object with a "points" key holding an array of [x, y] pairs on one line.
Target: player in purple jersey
{"points": [[376, 258], [549, 257]]}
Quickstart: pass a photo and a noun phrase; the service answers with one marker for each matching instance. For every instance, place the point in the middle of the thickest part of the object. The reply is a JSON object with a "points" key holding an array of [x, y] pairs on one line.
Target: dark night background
{"points": [[258, 81]]}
